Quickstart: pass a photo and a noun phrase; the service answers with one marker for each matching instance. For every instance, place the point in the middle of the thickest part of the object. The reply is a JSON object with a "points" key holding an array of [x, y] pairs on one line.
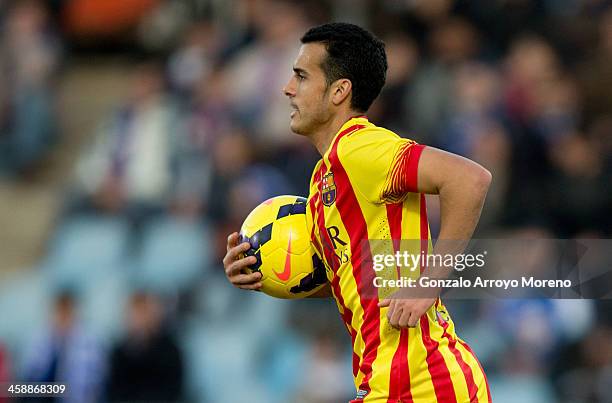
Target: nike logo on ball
{"points": [[285, 274]]}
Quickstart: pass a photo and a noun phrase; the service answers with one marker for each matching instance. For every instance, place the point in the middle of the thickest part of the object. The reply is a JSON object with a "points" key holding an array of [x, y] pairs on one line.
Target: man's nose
{"points": [[285, 90], [288, 89]]}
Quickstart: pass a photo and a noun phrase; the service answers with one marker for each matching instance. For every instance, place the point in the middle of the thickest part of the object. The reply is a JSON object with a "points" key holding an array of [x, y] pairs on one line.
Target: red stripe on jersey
{"points": [[467, 371], [405, 393], [480, 366], [328, 247], [412, 168], [394, 218], [348, 130], [331, 258], [356, 226], [399, 383], [440, 376], [312, 203]]}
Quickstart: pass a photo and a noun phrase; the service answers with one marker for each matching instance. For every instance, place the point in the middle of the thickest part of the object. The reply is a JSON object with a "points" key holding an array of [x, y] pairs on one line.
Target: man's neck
{"points": [[323, 137]]}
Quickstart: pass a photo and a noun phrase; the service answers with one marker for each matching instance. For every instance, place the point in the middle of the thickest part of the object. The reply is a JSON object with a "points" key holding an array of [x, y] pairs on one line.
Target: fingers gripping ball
{"points": [[280, 240]]}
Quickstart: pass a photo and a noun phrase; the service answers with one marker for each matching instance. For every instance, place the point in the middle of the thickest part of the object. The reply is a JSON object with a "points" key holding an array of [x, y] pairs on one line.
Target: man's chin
{"points": [[295, 127]]}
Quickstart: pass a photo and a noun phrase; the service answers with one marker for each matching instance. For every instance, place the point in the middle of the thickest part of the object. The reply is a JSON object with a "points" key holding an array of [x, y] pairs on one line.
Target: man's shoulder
{"points": [[369, 134], [367, 139], [371, 128]]}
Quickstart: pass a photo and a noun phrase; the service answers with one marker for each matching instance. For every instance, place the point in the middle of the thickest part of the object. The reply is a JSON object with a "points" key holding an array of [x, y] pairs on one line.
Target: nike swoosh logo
{"points": [[286, 273]]}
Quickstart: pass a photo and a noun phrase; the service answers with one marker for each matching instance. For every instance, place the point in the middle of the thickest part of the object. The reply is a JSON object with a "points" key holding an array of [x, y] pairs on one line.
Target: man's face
{"points": [[308, 92]]}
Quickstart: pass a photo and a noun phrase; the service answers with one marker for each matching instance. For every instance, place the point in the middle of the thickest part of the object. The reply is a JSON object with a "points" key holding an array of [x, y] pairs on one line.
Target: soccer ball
{"points": [[280, 240]]}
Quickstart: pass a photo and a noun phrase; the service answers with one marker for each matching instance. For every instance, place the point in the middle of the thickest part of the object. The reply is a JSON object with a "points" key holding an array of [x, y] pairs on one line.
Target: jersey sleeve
{"points": [[381, 165]]}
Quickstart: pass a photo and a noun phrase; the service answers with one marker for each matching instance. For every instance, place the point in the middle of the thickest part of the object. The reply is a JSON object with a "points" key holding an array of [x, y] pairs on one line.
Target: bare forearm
{"points": [[461, 203], [462, 187]]}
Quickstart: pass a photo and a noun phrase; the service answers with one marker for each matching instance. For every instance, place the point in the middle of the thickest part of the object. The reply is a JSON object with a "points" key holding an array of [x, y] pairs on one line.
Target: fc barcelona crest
{"points": [[328, 189]]}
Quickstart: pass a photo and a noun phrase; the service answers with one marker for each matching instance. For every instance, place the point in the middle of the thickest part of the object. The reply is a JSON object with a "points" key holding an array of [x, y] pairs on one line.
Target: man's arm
{"points": [[462, 186]]}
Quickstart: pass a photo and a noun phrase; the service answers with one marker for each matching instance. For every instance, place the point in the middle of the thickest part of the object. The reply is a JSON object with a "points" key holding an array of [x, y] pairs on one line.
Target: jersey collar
{"points": [[357, 120]]}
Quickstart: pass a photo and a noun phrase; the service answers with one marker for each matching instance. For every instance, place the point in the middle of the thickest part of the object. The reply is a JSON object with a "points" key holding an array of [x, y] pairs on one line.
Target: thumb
{"points": [[384, 302]]}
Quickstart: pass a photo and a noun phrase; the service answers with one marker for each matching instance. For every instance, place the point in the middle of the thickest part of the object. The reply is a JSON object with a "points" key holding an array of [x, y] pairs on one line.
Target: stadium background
{"points": [[135, 134]]}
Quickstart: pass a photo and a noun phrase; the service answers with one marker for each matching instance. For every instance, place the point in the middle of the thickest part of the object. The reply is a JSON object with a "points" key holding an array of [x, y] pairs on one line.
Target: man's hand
{"points": [[234, 265], [404, 309]]}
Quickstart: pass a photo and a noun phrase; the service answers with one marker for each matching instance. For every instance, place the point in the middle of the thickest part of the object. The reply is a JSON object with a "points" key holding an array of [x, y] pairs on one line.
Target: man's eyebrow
{"points": [[298, 70]]}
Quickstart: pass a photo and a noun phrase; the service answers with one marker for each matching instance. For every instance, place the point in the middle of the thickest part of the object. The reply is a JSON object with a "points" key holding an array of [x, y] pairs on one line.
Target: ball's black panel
{"points": [[262, 236], [257, 254], [299, 207], [314, 279], [284, 211], [252, 251]]}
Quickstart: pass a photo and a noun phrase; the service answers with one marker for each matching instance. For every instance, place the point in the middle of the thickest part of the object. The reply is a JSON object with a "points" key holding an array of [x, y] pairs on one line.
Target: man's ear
{"points": [[341, 89]]}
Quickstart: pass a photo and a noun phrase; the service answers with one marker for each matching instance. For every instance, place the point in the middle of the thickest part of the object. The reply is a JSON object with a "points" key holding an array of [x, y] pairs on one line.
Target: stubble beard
{"points": [[309, 126]]}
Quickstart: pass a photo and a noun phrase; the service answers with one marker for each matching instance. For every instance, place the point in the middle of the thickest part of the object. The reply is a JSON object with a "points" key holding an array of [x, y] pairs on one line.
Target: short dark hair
{"points": [[355, 54]]}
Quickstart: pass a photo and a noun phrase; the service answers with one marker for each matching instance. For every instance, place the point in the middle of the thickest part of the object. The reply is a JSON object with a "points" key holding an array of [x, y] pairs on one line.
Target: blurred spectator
{"points": [[161, 27], [476, 129], [29, 58], [599, 135], [129, 168], [531, 67], [195, 59], [67, 353], [390, 107], [207, 122], [146, 365], [531, 62], [540, 97], [595, 75], [451, 42], [232, 155], [578, 173], [239, 184], [258, 72], [476, 103]]}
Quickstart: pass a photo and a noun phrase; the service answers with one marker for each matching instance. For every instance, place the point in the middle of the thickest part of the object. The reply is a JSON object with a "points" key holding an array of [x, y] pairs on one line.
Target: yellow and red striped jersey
{"points": [[365, 188]]}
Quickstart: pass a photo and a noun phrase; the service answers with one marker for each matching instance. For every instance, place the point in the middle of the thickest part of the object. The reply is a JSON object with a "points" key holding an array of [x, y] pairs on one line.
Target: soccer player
{"points": [[370, 184]]}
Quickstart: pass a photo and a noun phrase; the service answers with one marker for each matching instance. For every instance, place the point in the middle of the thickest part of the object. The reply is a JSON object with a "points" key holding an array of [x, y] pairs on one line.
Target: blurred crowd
{"points": [[130, 303]]}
